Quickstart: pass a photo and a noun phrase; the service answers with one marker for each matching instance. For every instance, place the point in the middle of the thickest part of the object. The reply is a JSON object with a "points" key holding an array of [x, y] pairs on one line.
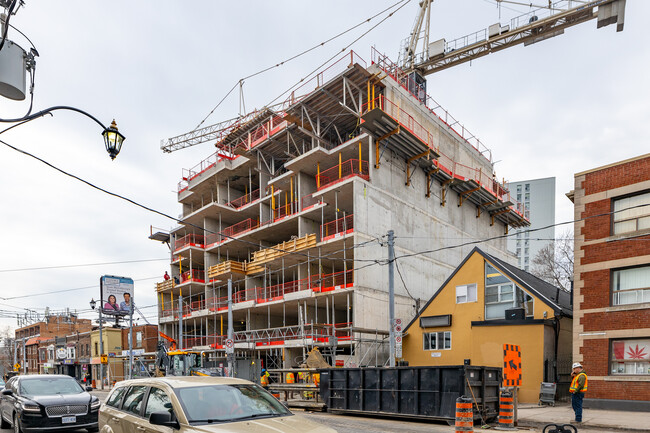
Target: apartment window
{"points": [[466, 293], [630, 215], [96, 349], [437, 340], [502, 294], [519, 197], [518, 188], [630, 356], [527, 187], [631, 286], [138, 339]]}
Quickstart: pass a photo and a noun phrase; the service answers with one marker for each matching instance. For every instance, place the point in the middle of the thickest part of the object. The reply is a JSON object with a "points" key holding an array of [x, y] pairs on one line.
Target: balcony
{"points": [[337, 228], [191, 240], [245, 199], [341, 172]]}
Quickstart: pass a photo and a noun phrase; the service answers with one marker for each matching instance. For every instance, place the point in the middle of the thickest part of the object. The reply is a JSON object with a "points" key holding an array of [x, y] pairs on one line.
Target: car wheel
{"points": [[3, 423], [17, 428]]}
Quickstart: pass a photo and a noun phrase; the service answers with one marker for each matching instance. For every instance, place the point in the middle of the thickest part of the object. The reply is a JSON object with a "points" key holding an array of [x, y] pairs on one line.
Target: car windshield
{"points": [[49, 386], [228, 403], [2, 382]]}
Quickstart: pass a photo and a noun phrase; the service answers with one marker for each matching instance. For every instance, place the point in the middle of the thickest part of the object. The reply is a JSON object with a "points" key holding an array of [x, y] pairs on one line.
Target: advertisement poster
{"points": [[116, 294]]}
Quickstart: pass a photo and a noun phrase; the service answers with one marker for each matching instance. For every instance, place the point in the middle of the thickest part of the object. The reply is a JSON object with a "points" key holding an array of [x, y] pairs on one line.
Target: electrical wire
{"points": [[6, 29], [277, 65], [31, 295], [82, 265], [338, 53]]}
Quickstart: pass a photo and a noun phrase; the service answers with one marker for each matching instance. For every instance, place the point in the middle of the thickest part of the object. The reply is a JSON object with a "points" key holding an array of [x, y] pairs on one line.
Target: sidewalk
{"points": [[608, 420]]}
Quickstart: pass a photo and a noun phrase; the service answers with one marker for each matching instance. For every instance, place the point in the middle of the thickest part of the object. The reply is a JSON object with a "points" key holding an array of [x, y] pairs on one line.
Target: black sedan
{"points": [[47, 402]]}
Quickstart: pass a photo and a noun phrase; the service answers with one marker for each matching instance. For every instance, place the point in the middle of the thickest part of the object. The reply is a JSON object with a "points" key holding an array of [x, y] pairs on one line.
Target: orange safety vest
{"points": [[291, 378], [264, 380], [574, 383], [316, 378]]}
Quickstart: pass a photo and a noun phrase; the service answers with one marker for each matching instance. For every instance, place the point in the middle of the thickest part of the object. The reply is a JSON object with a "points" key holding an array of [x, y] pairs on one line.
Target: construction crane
{"points": [[535, 26]]}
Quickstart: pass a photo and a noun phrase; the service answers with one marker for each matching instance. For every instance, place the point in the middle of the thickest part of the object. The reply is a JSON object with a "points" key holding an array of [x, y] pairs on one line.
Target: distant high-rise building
{"points": [[538, 197]]}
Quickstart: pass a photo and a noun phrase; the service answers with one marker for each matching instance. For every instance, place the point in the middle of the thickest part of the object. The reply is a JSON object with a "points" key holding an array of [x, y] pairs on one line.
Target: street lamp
{"points": [[113, 139]]}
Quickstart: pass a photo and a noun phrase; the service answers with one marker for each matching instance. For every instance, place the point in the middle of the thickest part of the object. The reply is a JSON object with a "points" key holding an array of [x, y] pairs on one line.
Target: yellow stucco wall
{"points": [[483, 345]]}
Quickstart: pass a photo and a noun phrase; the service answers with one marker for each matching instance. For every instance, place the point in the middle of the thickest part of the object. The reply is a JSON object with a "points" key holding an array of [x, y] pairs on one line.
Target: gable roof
{"points": [[558, 299]]}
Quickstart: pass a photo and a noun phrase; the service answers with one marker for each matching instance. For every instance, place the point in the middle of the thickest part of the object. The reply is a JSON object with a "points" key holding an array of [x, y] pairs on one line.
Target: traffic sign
{"points": [[104, 359], [16, 366], [230, 344], [511, 365]]}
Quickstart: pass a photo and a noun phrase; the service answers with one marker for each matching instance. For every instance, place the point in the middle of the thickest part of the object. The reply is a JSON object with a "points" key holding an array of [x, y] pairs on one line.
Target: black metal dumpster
{"points": [[414, 392]]}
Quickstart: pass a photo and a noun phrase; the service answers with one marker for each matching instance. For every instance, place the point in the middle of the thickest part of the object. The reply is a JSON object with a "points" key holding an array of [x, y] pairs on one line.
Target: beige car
{"points": [[197, 404]]}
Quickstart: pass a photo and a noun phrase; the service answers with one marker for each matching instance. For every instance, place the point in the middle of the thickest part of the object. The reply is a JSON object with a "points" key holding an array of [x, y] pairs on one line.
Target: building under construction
{"points": [[295, 205]]}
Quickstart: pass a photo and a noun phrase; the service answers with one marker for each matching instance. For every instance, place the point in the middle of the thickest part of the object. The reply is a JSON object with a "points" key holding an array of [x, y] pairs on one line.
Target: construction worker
{"points": [[290, 379], [578, 388], [264, 379]]}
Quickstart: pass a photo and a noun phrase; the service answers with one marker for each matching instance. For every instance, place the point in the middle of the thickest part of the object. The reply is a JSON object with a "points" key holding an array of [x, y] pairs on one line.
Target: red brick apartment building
{"points": [[611, 291]]}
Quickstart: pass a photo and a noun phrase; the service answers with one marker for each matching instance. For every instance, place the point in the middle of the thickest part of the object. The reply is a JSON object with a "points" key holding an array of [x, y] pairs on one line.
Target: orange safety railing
{"points": [[309, 200], [198, 169], [191, 240], [245, 199], [232, 231], [195, 275], [339, 227], [406, 81], [404, 119], [245, 295], [342, 171], [269, 128]]}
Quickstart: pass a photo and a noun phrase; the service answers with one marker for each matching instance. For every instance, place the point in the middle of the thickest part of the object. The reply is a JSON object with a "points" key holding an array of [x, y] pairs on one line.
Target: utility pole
{"points": [[131, 340], [391, 296], [101, 344], [230, 351], [180, 323]]}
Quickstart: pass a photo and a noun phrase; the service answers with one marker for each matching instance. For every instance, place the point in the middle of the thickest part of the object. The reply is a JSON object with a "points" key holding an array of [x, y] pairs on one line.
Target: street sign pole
{"points": [[131, 340], [391, 296], [101, 344]]}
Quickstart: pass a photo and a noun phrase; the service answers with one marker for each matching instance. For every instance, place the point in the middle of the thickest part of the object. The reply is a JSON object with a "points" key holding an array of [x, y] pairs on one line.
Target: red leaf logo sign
{"points": [[637, 353]]}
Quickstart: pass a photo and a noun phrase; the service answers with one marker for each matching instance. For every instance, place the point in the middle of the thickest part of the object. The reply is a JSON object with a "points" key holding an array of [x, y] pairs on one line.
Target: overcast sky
{"points": [[565, 105]]}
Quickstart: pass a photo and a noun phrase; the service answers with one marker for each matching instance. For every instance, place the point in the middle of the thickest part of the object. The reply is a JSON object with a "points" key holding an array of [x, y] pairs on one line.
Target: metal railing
{"points": [[245, 199], [191, 240], [417, 91], [339, 226], [201, 167], [342, 171]]}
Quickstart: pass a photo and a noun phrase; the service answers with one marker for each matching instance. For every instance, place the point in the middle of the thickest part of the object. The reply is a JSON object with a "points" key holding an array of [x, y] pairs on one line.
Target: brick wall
{"points": [[617, 176], [596, 289], [616, 320]]}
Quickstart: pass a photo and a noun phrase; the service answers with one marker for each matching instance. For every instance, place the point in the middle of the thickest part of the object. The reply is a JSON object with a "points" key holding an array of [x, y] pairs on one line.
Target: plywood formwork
{"points": [[269, 254], [228, 268]]}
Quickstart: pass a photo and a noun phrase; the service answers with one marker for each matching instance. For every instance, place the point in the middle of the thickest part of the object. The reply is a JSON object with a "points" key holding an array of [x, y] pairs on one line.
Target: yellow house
{"points": [[112, 341], [487, 303]]}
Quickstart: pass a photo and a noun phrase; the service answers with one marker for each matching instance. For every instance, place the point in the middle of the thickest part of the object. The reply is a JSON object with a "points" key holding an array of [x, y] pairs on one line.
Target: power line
{"points": [[65, 290], [277, 65], [82, 265]]}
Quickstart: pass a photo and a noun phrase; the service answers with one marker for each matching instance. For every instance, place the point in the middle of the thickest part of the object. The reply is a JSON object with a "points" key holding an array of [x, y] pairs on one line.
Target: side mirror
{"points": [[163, 418], [89, 388], [7, 392]]}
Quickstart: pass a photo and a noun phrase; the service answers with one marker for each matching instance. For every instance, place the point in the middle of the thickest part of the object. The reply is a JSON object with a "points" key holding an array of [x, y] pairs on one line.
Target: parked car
{"points": [[198, 404], [2, 384], [47, 402]]}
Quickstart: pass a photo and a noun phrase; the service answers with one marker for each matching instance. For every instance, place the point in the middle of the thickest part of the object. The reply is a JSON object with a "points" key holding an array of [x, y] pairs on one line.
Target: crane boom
{"points": [[526, 29]]}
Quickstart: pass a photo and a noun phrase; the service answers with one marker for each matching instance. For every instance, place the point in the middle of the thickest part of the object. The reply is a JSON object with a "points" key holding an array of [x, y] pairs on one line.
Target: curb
{"points": [[531, 423]]}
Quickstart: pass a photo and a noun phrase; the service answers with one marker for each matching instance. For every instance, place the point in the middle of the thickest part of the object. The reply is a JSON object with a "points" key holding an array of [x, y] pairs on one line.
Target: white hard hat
{"points": [[576, 365]]}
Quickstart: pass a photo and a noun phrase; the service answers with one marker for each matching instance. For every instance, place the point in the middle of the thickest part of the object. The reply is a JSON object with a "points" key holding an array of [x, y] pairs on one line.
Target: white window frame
{"points": [[633, 219], [466, 291], [641, 294], [427, 336], [640, 367]]}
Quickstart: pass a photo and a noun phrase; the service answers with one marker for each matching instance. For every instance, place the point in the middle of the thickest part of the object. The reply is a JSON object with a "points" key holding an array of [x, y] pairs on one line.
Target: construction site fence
{"points": [[191, 240], [318, 283], [316, 333], [406, 81], [341, 172], [338, 227]]}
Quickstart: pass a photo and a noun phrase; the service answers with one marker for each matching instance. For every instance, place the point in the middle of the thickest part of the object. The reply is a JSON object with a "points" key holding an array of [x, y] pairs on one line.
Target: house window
{"points": [[630, 215], [96, 349], [502, 294], [466, 293], [138, 339], [437, 340], [631, 286], [630, 357]]}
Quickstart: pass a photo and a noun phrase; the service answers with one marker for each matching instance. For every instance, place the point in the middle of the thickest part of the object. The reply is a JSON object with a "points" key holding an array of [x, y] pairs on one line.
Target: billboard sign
{"points": [[116, 294]]}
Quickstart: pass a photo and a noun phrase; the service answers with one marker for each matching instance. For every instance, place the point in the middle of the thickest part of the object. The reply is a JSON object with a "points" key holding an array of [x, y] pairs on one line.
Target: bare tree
{"points": [[6, 349], [554, 262]]}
